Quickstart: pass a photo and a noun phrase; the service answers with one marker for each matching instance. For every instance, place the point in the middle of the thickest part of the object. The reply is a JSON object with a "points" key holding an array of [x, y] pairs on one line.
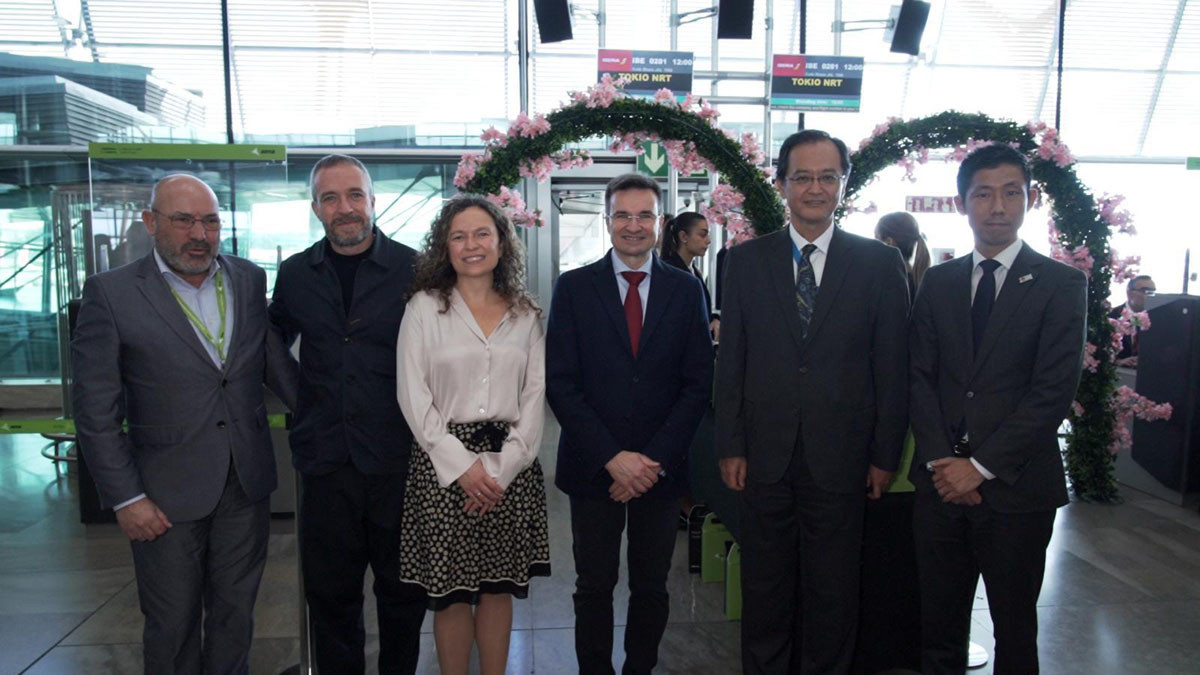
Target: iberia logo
{"points": [[787, 64], [615, 60]]}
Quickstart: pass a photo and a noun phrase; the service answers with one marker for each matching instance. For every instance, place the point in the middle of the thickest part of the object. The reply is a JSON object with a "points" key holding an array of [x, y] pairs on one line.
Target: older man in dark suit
{"points": [[997, 348], [811, 407], [177, 344], [628, 375]]}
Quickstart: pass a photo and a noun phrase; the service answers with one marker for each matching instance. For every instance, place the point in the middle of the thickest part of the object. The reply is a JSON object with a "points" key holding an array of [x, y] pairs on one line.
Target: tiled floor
{"points": [[1122, 591]]}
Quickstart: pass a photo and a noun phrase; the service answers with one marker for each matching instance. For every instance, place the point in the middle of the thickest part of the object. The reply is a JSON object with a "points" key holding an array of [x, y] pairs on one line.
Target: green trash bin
{"points": [[733, 583], [713, 536]]}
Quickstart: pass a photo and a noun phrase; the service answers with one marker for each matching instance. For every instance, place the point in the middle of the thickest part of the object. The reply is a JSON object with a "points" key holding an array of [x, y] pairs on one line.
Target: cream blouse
{"points": [[447, 371]]}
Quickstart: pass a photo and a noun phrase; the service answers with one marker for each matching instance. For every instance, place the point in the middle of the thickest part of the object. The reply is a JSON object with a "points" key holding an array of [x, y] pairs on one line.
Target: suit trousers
{"points": [[955, 544], [889, 612], [348, 520], [596, 526], [203, 570], [800, 573]]}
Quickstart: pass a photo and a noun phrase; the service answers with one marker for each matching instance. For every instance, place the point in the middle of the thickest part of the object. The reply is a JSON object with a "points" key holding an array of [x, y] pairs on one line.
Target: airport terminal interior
{"points": [[101, 98]]}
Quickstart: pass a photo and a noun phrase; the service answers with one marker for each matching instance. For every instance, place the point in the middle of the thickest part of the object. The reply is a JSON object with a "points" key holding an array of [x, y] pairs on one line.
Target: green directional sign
{"points": [[188, 151], [653, 162], [1193, 164], [59, 426]]}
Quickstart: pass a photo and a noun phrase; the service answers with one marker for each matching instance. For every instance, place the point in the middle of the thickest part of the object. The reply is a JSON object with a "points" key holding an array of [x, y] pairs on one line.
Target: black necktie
{"points": [[806, 286], [985, 297]]}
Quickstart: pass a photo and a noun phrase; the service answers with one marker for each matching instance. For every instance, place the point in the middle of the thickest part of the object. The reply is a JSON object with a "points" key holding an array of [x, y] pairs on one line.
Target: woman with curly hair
{"points": [[470, 376]]}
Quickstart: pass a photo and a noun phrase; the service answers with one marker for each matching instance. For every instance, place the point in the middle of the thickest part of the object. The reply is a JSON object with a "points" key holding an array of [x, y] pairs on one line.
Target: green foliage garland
{"points": [[576, 122]]}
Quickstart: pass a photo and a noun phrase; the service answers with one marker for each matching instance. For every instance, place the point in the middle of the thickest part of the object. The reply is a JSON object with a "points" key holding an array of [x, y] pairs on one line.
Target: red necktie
{"points": [[633, 309]]}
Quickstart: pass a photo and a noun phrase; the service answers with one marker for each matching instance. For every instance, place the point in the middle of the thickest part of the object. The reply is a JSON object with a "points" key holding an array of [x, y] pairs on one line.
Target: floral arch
{"points": [[746, 204]]}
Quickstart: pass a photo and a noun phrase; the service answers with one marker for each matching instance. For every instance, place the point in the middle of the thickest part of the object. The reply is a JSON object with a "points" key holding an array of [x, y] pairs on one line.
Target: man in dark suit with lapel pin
{"points": [[812, 398], [177, 344], [997, 349], [344, 298], [628, 375]]}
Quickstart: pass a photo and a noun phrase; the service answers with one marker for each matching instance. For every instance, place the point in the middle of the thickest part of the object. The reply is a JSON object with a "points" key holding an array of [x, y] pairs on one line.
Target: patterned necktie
{"points": [[633, 309], [985, 297], [806, 286]]}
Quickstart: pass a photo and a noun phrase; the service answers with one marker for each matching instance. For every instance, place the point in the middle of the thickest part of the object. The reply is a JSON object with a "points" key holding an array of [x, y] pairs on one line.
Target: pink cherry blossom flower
{"points": [[663, 96], [1111, 213], [467, 166], [494, 136]]}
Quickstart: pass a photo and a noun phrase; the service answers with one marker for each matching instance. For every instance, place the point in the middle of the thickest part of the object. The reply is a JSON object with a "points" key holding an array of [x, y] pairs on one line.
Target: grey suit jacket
{"points": [[1012, 396], [843, 388], [136, 357]]}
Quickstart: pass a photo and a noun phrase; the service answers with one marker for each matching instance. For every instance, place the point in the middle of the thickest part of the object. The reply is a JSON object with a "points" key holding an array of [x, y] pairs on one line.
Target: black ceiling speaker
{"points": [[909, 27], [735, 19], [553, 19]]}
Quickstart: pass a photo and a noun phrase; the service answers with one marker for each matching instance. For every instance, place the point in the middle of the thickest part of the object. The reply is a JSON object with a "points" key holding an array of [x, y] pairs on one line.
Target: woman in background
{"points": [[900, 229], [470, 379], [889, 617], [684, 239]]}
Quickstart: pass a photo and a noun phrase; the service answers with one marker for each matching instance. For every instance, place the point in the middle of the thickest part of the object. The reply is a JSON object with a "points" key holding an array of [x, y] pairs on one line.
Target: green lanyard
{"points": [[218, 343]]}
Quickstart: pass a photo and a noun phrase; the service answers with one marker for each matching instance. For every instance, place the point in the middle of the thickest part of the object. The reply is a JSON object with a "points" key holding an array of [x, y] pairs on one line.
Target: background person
{"points": [[889, 616], [1136, 292], [685, 238], [471, 382]]}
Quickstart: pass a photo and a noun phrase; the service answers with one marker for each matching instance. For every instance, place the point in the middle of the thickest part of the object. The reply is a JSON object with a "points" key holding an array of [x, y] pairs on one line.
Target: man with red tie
{"points": [[628, 374]]}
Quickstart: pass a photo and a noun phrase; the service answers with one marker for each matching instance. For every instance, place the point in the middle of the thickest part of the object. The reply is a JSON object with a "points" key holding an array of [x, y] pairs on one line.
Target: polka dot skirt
{"points": [[455, 556]]}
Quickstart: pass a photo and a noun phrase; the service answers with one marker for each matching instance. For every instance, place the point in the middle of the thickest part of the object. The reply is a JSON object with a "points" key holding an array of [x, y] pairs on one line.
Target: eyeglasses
{"points": [[186, 221], [1147, 291], [622, 218], [825, 180]]}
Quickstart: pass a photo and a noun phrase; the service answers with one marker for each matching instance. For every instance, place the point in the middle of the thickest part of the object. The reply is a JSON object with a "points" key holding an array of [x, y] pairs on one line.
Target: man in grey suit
{"points": [[176, 346], [812, 399], [997, 347]]}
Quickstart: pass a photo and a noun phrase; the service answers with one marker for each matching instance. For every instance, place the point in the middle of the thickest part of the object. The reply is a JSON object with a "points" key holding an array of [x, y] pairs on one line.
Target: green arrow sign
{"points": [[653, 162]]}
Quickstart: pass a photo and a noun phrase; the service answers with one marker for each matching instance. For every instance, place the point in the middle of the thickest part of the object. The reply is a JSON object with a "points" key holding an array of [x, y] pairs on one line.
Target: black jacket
{"points": [[347, 409]]}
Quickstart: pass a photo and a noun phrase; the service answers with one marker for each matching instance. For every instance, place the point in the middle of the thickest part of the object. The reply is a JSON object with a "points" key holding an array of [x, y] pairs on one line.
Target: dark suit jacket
{"points": [[844, 388], [1012, 396], [135, 355], [347, 408], [605, 399]]}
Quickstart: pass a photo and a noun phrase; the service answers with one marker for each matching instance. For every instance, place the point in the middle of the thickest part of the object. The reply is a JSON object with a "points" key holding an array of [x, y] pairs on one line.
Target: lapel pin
{"points": [[1027, 277]]}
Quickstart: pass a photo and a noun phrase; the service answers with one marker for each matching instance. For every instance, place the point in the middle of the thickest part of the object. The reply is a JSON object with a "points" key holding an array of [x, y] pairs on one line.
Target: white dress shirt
{"points": [[448, 371], [623, 285], [817, 258], [1006, 259]]}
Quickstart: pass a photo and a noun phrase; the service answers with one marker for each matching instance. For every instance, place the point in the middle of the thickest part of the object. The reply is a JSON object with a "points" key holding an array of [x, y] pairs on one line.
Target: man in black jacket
{"points": [[344, 297]]}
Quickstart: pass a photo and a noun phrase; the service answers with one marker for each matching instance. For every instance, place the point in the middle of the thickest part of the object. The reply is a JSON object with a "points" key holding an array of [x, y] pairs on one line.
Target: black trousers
{"points": [[349, 520], [889, 610], [800, 574], [206, 568], [596, 527], [955, 544]]}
